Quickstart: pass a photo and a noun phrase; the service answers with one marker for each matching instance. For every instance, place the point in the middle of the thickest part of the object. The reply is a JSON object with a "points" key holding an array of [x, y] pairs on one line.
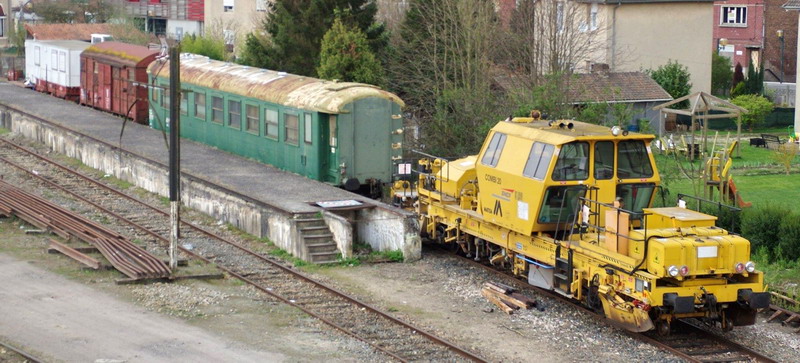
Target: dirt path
{"points": [[63, 320]]}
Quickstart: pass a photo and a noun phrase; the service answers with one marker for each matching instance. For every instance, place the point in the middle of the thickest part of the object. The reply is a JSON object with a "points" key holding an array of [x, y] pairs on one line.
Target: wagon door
{"points": [[116, 87], [108, 79]]}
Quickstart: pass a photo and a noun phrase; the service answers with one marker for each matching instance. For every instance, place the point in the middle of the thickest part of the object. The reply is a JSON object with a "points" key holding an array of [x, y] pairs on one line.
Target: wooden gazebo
{"points": [[700, 106]]}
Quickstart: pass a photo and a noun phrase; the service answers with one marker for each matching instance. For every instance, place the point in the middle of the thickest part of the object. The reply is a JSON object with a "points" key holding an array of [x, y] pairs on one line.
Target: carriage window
{"points": [[495, 148], [165, 96], [272, 123], [235, 114], [332, 130], [200, 105], [54, 59], [62, 61], [573, 162], [153, 92], [184, 103], [604, 160], [307, 129], [36, 51], [217, 113], [560, 204], [633, 161], [291, 129], [538, 161], [252, 119]]}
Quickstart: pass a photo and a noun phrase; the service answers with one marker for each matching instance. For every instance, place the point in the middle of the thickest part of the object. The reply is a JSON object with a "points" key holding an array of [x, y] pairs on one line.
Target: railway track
{"points": [[18, 355], [150, 225], [690, 341]]}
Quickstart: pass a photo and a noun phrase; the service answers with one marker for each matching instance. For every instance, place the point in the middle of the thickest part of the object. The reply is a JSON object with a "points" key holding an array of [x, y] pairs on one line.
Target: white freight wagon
{"points": [[54, 66]]}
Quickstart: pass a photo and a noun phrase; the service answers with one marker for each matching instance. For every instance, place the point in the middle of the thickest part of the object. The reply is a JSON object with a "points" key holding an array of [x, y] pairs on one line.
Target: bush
{"points": [[726, 218], [789, 234], [758, 107], [762, 227]]}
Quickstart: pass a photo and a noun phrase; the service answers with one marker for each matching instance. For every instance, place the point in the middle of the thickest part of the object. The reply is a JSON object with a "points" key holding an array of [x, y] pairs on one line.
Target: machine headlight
{"points": [[673, 270], [750, 266], [739, 267], [616, 130], [684, 270]]}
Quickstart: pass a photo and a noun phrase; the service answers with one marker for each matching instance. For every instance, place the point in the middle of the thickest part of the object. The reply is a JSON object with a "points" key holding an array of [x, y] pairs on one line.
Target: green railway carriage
{"points": [[345, 134]]}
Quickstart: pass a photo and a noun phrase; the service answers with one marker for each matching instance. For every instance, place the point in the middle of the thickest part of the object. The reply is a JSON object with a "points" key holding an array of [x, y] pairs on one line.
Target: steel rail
{"points": [[450, 346], [21, 352], [738, 348]]}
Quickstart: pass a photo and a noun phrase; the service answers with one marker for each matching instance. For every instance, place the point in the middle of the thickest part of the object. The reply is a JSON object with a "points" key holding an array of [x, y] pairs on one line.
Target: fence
{"points": [[12, 66]]}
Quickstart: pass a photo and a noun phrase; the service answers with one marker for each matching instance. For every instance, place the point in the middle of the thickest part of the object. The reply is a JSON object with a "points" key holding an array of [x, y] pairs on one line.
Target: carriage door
{"points": [[309, 145], [330, 150], [116, 86]]}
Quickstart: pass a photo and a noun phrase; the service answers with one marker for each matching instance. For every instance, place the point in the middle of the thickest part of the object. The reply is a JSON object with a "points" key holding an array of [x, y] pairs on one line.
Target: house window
{"points": [[235, 114], [272, 123], [307, 129], [734, 16], [560, 16], [200, 105], [290, 122], [493, 151], [252, 119], [593, 17], [261, 5], [217, 113], [2, 25], [227, 6]]}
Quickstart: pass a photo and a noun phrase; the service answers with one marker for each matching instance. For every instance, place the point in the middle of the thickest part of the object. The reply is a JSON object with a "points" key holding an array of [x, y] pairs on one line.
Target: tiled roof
{"points": [[68, 31], [792, 5], [615, 87], [122, 53]]}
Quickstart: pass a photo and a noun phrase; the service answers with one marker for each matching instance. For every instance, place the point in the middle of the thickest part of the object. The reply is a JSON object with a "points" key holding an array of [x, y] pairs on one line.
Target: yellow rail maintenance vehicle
{"points": [[568, 206]]}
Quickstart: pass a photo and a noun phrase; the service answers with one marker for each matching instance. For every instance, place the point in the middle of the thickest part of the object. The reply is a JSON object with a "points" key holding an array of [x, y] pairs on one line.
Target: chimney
{"points": [[599, 68]]}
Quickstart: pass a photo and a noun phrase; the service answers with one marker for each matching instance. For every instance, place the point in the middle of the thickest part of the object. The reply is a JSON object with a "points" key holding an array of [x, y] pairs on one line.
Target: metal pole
{"points": [[782, 46], [174, 154]]}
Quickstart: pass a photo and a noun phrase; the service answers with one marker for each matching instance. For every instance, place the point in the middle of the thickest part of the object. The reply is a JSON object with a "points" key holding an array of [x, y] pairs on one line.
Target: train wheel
{"points": [[663, 327], [726, 323], [592, 297]]}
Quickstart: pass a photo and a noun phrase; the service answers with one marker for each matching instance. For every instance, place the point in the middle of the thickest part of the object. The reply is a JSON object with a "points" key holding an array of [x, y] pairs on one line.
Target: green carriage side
{"points": [[341, 133]]}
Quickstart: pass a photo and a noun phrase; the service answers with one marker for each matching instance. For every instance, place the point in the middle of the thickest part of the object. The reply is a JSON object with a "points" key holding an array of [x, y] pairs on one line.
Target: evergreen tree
{"points": [[345, 55], [738, 77], [213, 48], [296, 28], [674, 78], [754, 84]]}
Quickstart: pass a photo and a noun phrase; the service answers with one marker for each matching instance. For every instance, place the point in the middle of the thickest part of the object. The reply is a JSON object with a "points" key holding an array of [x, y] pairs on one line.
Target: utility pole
{"points": [[783, 42], [174, 153]]}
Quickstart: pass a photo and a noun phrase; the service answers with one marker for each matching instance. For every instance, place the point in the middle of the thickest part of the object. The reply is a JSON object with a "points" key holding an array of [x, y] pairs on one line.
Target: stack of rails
{"points": [[125, 256]]}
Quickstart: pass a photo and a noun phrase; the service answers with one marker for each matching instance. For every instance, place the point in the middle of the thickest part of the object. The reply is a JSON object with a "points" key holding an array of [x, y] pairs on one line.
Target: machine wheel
{"points": [[726, 323], [663, 327], [592, 298]]}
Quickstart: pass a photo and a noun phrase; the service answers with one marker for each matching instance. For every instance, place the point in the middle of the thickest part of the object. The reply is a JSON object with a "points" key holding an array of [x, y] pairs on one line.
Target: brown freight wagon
{"points": [[114, 78]]}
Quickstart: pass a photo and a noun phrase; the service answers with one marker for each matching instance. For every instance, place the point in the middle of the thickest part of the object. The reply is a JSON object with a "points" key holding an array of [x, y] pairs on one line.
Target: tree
{"points": [[754, 84], [296, 28], [758, 107], [345, 55], [443, 70], [738, 76], [212, 47], [674, 78], [77, 11], [721, 75]]}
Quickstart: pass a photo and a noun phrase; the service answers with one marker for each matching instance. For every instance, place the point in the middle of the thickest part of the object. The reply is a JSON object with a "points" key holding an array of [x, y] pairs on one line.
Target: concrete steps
{"points": [[317, 239]]}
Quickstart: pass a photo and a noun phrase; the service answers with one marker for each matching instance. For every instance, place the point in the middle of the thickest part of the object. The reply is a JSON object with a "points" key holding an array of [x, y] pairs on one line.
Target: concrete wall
{"points": [[342, 231], [648, 35], [387, 230]]}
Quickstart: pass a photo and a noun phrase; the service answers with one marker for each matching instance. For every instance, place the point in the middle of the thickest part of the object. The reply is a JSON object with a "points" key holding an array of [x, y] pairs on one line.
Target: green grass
{"points": [[4, 131]]}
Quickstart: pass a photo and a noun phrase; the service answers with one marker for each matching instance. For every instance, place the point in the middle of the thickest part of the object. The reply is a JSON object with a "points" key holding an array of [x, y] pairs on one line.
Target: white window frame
{"points": [[2, 26], [738, 14], [261, 5], [227, 6]]}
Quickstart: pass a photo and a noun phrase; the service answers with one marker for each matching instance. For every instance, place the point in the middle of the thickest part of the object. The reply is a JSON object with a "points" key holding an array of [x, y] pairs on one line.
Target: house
{"points": [[173, 18], [79, 31], [645, 34], [739, 31], [780, 39], [6, 23], [235, 18], [634, 88]]}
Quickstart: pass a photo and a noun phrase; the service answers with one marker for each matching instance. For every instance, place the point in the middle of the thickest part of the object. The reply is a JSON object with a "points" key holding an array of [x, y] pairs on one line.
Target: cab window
{"points": [[538, 161], [635, 197], [603, 160], [560, 204], [573, 162], [495, 148], [633, 161]]}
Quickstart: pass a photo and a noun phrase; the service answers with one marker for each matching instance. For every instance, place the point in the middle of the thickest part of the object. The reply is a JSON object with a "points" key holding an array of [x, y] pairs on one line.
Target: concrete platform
{"points": [[255, 197]]}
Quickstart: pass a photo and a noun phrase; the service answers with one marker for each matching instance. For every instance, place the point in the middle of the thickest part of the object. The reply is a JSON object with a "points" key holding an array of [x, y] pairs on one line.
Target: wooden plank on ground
{"points": [[501, 305], [75, 255]]}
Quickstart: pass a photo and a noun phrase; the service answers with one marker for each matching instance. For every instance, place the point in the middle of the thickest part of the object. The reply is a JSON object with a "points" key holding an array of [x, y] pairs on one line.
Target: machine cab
{"points": [[531, 173]]}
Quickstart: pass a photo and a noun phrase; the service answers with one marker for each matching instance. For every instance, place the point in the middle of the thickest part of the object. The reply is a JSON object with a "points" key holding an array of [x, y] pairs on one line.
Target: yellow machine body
{"points": [[568, 205]]}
